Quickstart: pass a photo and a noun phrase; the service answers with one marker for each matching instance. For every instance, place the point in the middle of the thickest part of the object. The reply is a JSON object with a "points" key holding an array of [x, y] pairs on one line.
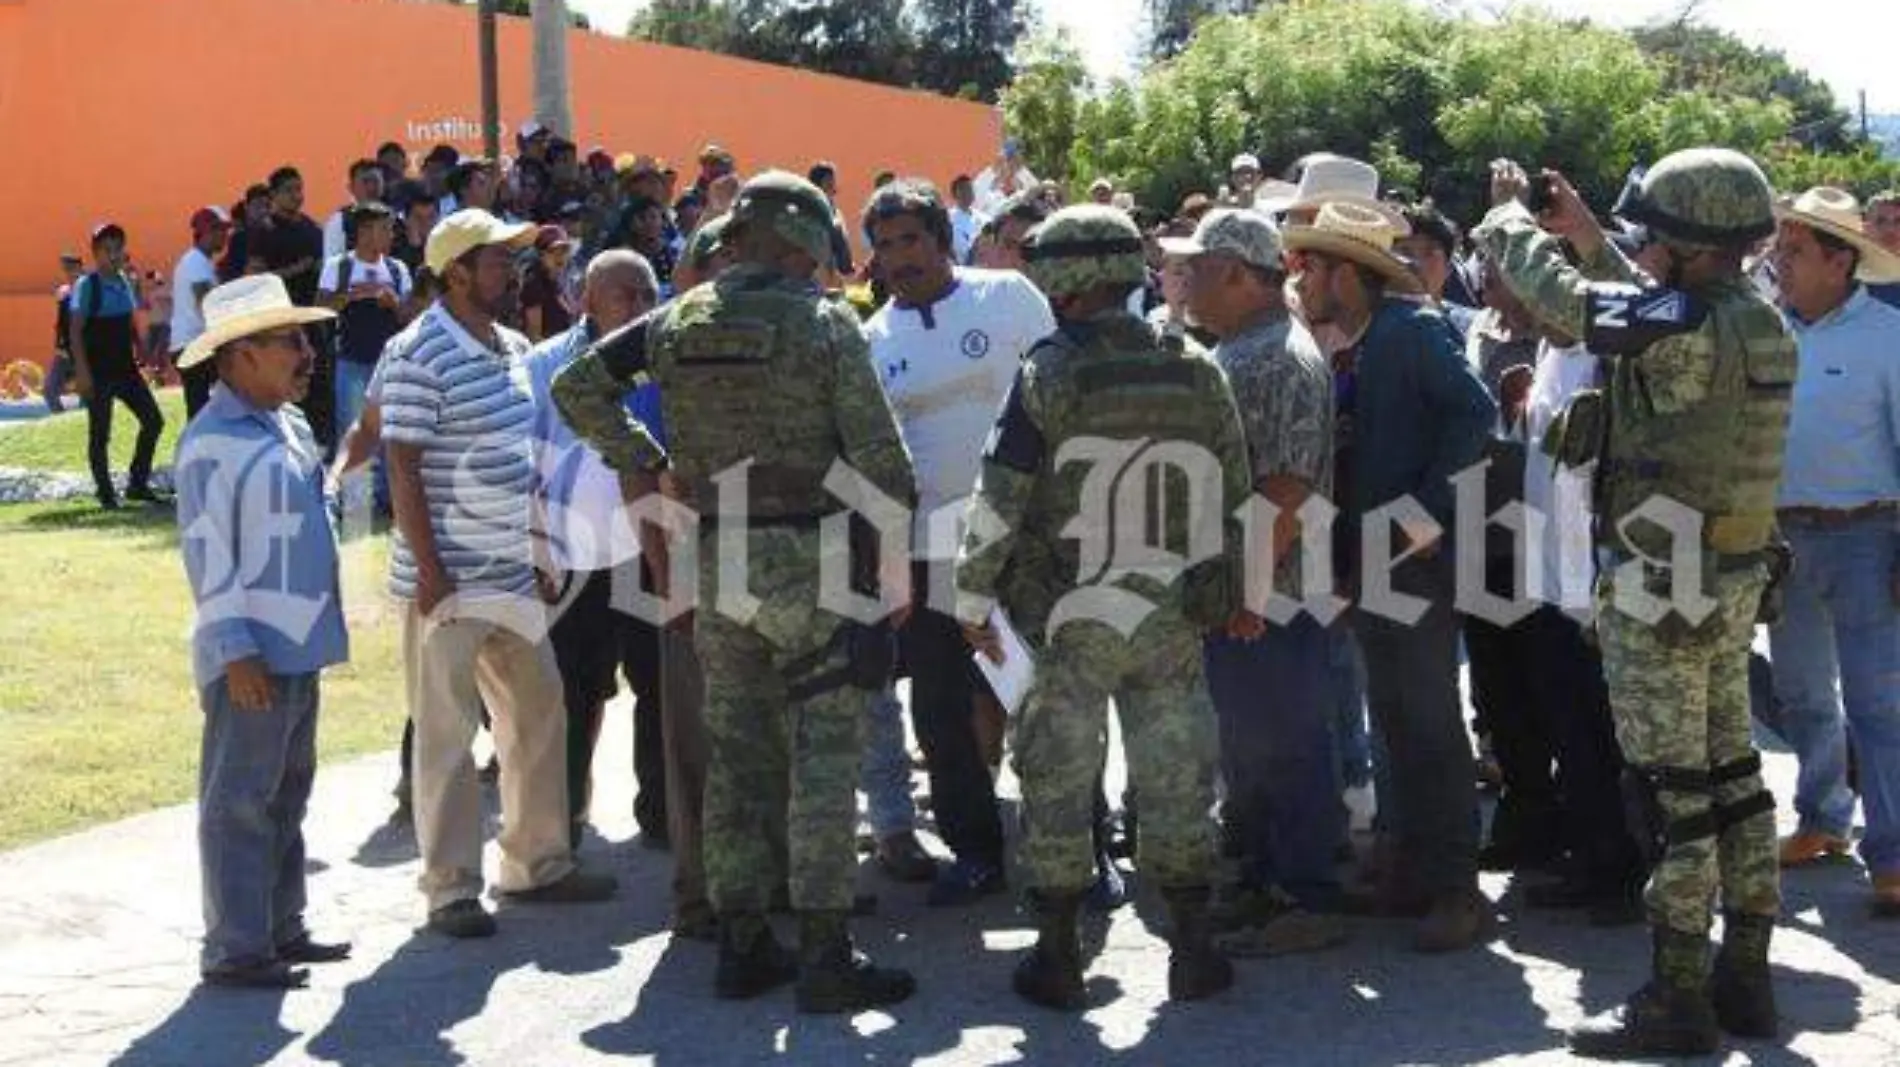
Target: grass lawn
{"points": [[58, 442], [98, 715]]}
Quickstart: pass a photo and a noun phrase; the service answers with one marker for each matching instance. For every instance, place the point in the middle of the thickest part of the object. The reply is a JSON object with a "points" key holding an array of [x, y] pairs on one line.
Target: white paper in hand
{"points": [[1010, 679]]}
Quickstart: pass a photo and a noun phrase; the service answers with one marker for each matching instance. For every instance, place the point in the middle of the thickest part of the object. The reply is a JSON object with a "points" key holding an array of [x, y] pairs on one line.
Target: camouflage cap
{"points": [[705, 243], [1704, 198], [1248, 236], [791, 207], [1081, 247]]}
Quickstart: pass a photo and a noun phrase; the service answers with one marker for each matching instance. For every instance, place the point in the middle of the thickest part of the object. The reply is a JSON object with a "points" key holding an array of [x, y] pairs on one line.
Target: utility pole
{"points": [[491, 77], [1863, 114], [550, 66]]}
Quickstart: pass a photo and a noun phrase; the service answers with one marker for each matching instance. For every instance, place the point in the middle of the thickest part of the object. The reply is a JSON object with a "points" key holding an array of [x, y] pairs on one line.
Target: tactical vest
{"points": [[1721, 457], [1112, 379], [745, 373]]}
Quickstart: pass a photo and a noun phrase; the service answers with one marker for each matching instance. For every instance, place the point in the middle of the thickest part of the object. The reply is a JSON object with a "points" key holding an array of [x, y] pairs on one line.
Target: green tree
{"points": [[1042, 106], [708, 25], [1171, 23], [1705, 59], [964, 46], [1428, 97]]}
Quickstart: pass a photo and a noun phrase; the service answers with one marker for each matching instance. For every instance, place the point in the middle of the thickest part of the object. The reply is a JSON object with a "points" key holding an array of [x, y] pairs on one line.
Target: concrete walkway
{"points": [[98, 947]]}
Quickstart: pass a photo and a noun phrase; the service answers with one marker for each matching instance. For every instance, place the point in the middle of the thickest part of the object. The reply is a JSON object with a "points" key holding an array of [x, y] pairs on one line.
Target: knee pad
{"points": [[1649, 823]]}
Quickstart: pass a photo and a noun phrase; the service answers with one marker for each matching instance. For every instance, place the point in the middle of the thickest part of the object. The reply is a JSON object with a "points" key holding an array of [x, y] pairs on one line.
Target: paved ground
{"points": [[97, 951]]}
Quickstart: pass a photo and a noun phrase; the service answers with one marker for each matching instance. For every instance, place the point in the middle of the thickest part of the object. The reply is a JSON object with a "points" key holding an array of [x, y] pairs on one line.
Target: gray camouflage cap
{"points": [[1246, 235]]}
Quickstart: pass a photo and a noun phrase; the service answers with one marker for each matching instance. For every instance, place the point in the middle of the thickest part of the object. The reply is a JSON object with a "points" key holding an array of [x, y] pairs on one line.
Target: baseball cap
{"points": [[1244, 161], [712, 153], [530, 130], [467, 230], [208, 218], [1246, 235], [106, 231]]}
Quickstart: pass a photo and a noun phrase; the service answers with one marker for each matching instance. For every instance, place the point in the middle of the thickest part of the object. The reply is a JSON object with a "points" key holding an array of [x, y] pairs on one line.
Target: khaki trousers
{"points": [[468, 653]]}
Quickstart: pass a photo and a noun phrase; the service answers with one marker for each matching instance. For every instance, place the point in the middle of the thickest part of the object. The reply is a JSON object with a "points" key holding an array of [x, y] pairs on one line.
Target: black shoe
{"points": [[143, 494], [1740, 985], [965, 882], [273, 975], [304, 950], [108, 501], [1050, 974], [574, 887], [751, 960], [1196, 969], [1671, 1016], [462, 920], [835, 978]]}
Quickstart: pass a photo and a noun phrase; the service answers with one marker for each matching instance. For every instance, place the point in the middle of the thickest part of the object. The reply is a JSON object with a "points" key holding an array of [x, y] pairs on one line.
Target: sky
{"points": [[1853, 45]]}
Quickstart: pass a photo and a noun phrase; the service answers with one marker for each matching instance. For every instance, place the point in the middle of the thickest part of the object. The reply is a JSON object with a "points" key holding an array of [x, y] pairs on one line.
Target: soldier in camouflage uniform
{"points": [[759, 368], [1695, 412], [1101, 389]]}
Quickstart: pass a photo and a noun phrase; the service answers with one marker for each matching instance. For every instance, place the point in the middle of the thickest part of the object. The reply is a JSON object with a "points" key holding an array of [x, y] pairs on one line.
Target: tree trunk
{"points": [[550, 66]]}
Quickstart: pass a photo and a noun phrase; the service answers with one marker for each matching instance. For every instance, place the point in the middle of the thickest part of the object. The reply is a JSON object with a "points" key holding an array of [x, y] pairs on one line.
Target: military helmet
{"points": [[1081, 247], [1704, 198], [791, 207], [706, 242]]}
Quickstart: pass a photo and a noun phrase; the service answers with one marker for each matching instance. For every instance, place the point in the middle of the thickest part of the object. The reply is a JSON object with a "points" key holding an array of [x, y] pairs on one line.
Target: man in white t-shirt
{"points": [[947, 347], [366, 184], [370, 290], [965, 220], [195, 275]]}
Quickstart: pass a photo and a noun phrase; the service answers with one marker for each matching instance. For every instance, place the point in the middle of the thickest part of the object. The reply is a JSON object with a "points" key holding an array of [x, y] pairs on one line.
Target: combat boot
{"points": [[751, 960], [835, 977], [1740, 986], [1671, 1016], [1196, 969], [1050, 974]]}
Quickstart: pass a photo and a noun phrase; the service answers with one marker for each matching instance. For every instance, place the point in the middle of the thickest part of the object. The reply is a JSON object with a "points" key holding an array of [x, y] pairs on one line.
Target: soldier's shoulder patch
{"points": [[1623, 320]]}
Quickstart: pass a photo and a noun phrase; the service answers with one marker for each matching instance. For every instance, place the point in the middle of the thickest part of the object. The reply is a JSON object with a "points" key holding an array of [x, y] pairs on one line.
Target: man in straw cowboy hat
{"points": [[1837, 504], [1419, 417], [1689, 449], [260, 556]]}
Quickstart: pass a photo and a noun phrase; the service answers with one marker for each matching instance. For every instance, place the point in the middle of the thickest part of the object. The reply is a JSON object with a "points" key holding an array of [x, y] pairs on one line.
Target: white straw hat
{"points": [[240, 308]]}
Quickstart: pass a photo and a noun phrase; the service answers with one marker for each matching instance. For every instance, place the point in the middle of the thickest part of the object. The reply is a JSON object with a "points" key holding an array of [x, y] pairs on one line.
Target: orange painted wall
{"points": [[144, 110]]}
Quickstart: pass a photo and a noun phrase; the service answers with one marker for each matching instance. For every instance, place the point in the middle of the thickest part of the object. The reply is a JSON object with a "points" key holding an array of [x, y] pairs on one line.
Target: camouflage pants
{"points": [[1680, 700], [1168, 732], [771, 755]]}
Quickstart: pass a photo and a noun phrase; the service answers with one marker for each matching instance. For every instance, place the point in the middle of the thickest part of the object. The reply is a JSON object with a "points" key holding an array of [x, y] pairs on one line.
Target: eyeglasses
{"points": [[291, 339]]}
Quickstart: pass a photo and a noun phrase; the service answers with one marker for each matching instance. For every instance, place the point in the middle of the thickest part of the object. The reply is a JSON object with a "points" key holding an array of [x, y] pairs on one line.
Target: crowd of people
{"points": [[596, 400]]}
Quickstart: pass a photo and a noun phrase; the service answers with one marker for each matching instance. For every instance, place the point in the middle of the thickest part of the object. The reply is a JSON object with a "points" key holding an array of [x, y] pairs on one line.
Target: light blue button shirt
{"points": [[260, 550], [1844, 434]]}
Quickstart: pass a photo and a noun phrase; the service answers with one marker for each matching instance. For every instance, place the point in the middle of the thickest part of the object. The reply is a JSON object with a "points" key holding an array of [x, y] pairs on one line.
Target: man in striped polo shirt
{"points": [[458, 418]]}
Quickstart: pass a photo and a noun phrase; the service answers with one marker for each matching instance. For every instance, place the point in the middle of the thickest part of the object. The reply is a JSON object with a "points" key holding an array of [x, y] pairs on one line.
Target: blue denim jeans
{"points": [[1274, 702], [1836, 658], [1352, 741], [884, 774], [255, 773]]}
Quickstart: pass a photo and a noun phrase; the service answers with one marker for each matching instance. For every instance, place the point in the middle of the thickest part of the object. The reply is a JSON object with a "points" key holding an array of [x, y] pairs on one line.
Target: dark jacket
{"points": [[1419, 415]]}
